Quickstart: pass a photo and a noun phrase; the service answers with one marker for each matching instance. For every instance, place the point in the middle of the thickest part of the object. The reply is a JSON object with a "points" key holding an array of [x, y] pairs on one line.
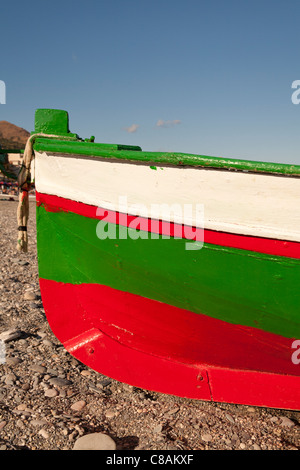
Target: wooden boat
{"points": [[157, 298]]}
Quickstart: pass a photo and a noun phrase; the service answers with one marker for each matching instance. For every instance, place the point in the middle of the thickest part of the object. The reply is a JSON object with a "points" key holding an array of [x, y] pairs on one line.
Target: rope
{"points": [[24, 183]]}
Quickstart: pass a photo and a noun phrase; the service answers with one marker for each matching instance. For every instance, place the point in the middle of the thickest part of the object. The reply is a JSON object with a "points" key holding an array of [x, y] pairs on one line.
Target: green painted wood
{"points": [[52, 121], [237, 286], [119, 152], [56, 122], [83, 145]]}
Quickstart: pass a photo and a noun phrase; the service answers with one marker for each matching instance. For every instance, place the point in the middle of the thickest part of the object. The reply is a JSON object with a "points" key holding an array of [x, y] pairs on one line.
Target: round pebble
{"points": [[51, 393], [95, 441], [78, 406], [21, 407], [30, 296], [44, 433], [85, 373]]}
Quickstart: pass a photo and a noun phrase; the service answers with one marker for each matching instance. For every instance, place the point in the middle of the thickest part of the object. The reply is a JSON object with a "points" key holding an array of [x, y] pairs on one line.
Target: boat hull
{"points": [[216, 324], [182, 353]]}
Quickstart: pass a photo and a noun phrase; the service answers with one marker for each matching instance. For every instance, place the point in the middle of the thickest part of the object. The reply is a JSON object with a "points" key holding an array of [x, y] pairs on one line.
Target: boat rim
{"points": [[131, 154]]}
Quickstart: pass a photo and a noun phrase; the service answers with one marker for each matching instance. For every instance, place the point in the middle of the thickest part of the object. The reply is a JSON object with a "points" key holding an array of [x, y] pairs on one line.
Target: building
{"points": [[15, 158]]}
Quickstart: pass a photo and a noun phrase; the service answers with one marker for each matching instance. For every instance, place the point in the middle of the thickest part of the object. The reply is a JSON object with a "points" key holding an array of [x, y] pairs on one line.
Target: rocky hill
{"points": [[12, 136]]}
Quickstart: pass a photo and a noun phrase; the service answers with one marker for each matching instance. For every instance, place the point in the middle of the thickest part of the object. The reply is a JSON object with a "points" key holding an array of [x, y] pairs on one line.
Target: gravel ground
{"points": [[48, 400]]}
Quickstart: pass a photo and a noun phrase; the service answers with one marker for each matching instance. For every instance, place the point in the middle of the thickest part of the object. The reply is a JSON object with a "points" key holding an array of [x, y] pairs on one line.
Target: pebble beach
{"points": [[51, 401]]}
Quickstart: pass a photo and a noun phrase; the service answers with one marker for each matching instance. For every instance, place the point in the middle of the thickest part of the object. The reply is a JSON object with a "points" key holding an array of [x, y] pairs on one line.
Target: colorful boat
{"points": [[175, 273]]}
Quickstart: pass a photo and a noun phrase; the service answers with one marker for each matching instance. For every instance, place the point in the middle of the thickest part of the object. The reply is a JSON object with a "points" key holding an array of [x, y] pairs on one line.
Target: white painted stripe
{"points": [[243, 203]]}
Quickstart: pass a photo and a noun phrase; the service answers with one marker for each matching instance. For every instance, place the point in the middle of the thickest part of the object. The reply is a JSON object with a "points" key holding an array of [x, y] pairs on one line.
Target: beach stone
{"points": [[78, 406], [286, 422], [13, 361], [128, 388], [250, 409], [51, 393], [20, 424], [230, 418], [21, 407], [59, 382], [157, 429], [33, 305], [35, 382], [85, 373], [41, 334], [38, 422], [52, 372], [30, 296], [206, 437], [10, 379], [38, 368], [95, 441], [2, 424], [10, 335], [23, 263], [44, 433], [106, 382]]}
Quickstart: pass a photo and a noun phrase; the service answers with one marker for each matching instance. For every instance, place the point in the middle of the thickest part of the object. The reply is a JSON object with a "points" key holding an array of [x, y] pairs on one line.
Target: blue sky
{"points": [[194, 76]]}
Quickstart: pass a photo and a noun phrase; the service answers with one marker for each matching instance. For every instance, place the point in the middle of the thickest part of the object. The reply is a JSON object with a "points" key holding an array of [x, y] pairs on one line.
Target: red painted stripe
{"points": [[160, 347], [270, 246]]}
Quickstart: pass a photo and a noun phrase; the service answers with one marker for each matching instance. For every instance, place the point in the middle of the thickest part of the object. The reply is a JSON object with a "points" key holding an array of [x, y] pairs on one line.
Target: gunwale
{"points": [[120, 152]]}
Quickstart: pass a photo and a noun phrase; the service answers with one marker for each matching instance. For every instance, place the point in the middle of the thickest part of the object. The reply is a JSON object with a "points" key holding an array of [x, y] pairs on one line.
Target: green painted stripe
{"points": [[237, 286], [181, 159]]}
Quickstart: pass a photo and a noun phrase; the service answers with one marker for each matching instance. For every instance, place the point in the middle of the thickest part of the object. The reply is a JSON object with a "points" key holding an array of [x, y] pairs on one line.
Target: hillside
{"points": [[12, 136]]}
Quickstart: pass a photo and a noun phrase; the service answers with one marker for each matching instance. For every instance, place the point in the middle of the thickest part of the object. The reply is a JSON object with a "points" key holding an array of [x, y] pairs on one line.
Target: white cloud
{"points": [[132, 128], [162, 123]]}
